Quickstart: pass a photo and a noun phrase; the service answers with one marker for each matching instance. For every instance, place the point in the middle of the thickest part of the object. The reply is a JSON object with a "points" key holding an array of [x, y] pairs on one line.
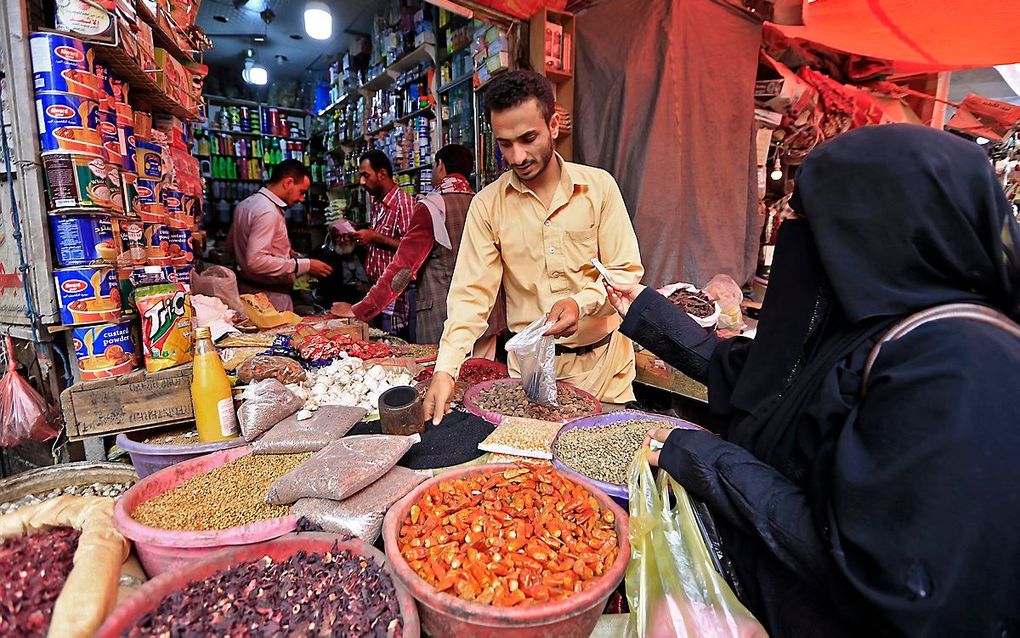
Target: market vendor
{"points": [[534, 231], [428, 253], [391, 219], [259, 242]]}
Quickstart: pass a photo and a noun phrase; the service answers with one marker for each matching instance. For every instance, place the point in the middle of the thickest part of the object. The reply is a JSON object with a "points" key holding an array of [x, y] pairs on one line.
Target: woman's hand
{"points": [[623, 295], [655, 434]]}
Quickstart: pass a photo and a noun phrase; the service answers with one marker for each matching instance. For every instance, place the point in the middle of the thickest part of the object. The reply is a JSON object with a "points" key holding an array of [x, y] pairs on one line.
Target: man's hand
{"points": [[319, 269], [623, 295], [564, 315], [437, 399], [342, 309], [366, 237]]}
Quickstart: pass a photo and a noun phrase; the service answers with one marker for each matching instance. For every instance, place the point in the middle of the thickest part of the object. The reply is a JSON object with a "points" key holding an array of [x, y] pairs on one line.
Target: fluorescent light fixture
{"points": [[255, 75], [982, 140], [318, 20], [453, 7]]}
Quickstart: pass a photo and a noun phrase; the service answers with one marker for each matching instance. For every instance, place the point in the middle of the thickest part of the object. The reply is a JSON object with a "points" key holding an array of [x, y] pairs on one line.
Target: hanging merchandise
{"points": [[24, 414]]}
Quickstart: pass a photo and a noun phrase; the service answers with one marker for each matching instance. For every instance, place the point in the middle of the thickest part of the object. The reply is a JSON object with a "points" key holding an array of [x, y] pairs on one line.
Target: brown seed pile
{"points": [[231, 495], [509, 399], [177, 436], [605, 452], [693, 302]]}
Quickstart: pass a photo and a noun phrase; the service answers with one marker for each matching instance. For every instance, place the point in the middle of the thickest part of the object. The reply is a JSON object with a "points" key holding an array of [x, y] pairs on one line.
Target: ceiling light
{"points": [[220, 18], [982, 140], [318, 21], [777, 170], [257, 75], [260, 38], [453, 7]]}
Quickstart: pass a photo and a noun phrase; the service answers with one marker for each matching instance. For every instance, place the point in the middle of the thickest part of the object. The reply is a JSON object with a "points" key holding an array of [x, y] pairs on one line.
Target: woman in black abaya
{"points": [[899, 512]]}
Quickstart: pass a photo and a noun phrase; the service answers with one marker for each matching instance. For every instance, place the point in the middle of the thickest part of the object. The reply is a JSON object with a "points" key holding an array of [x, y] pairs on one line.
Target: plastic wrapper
{"points": [[673, 587], [361, 514], [522, 437], [167, 325], [297, 434], [342, 468], [262, 313], [536, 357], [266, 403], [233, 358], [264, 367], [24, 414], [709, 320], [726, 293], [219, 282]]}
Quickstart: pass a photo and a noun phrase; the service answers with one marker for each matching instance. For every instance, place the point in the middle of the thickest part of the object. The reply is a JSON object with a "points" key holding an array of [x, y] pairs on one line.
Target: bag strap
{"points": [[974, 312]]}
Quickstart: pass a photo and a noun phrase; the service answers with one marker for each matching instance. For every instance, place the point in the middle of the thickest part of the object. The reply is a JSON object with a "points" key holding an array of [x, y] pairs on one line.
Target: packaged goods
{"points": [[77, 180], [523, 437], [156, 238], [116, 182], [85, 240], [361, 514], [507, 398], [88, 294], [60, 64], [179, 249], [604, 452], [211, 394], [309, 432], [512, 523], [231, 495], [105, 350], [150, 208], [87, 18], [132, 242], [128, 143], [166, 325], [110, 136], [263, 367], [266, 403], [69, 123], [129, 188], [536, 356], [149, 161], [360, 600], [341, 468], [324, 346]]}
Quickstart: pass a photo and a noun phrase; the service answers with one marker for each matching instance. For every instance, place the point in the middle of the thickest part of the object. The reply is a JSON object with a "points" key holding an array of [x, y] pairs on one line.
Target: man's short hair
{"points": [[514, 88], [456, 159], [378, 160], [289, 168]]}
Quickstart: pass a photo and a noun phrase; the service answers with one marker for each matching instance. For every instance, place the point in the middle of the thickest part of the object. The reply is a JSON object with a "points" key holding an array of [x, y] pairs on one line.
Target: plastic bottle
{"points": [[215, 417]]}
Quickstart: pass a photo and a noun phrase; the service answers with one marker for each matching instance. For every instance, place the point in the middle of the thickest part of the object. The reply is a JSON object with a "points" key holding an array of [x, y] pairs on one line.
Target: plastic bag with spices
{"points": [[673, 587], [24, 414], [536, 358], [724, 290]]}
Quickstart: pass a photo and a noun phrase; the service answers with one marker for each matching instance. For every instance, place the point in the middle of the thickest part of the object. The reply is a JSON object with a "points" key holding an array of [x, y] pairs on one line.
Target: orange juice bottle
{"points": [[210, 392]]}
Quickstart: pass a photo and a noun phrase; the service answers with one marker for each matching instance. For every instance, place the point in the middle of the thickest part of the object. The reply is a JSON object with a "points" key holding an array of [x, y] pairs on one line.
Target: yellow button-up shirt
{"points": [[541, 256]]}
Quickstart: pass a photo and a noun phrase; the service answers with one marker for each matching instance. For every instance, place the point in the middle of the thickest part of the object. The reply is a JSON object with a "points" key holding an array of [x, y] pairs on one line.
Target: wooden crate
{"points": [[130, 402], [657, 373]]}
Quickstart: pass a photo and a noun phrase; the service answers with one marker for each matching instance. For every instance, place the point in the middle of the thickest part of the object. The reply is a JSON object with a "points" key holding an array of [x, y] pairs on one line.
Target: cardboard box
{"points": [[170, 75]]}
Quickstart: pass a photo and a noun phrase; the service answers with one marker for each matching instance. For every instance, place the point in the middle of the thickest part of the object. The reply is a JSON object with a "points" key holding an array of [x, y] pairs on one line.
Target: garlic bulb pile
{"points": [[347, 381]]}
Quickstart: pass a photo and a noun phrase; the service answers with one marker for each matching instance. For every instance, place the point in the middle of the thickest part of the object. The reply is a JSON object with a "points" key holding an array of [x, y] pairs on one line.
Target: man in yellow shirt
{"points": [[535, 230]]}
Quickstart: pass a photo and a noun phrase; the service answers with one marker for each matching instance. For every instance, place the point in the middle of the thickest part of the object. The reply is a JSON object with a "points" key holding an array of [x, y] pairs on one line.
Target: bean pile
{"points": [[231, 495], [509, 399], [333, 594], [111, 490], [178, 436], [521, 536], [605, 452], [693, 302], [34, 570]]}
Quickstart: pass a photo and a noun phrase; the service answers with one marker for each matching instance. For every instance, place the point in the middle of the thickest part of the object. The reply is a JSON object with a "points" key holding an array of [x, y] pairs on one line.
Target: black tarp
{"points": [[665, 102]]}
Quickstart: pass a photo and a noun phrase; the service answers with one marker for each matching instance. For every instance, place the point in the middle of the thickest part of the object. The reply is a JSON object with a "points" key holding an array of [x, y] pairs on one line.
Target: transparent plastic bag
{"points": [[342, 468], [266, 403], [294, 435], [726, 293], [24, 413], [673, 587], [361, 514], [219, 282], [536, 357]]}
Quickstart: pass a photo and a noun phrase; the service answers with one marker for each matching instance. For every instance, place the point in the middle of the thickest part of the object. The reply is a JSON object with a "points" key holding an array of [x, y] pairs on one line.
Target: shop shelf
{"points": [[393, 71], [408, 171], [144, 90], [455, 83], [161, 38]]}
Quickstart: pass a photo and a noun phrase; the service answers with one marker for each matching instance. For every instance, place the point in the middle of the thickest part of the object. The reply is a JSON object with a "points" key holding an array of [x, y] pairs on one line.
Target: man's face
{"points": [[371, 179], [439, 172], [295, 191], [526, 138]]}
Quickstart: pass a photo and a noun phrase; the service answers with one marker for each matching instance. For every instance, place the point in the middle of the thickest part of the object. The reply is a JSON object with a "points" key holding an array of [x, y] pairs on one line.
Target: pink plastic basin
{"points": [[162, 550], [149, 459], [470, 398], [151, 593], [446, 616]]}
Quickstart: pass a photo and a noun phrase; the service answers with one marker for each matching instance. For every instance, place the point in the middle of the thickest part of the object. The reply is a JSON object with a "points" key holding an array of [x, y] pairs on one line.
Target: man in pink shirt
{"points": [[258, 237]]}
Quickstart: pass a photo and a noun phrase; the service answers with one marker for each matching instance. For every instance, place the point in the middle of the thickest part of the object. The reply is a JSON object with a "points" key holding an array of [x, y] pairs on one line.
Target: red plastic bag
{"points": [[24, 414]]}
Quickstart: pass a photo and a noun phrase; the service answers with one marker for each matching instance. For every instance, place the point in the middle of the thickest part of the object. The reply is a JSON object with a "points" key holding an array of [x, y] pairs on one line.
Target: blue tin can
{"points": [[61, 63], [128, 146], [148, 159], [86, 240], [183, 275], [105, 350], [69, 123], [110, 135], [88, 294]]}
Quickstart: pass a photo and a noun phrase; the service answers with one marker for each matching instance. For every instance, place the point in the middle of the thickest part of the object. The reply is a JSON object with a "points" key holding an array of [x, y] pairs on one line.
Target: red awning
{"points": [[523, 9], [937, 34]]}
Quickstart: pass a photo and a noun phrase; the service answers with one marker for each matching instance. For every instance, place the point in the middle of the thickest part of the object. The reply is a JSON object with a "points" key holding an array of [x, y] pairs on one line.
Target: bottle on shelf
{"points": [[215, 417]]}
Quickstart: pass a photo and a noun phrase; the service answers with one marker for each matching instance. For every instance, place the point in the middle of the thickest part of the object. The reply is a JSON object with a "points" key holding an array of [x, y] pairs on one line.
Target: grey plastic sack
{"points": [[536, 358], [266, 403], [293, 435]]}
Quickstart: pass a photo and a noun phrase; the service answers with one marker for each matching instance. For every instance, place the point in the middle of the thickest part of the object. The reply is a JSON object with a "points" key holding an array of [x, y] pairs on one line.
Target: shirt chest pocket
{"points": [[579, 248]]}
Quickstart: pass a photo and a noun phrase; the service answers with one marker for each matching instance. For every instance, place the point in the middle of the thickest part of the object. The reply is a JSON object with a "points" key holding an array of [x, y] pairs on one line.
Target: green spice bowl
{"points": [[151, 593]]}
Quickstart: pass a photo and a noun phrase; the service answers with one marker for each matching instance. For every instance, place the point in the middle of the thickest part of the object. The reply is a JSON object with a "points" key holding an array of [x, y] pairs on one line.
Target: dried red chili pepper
{"points": [[34, 570]]}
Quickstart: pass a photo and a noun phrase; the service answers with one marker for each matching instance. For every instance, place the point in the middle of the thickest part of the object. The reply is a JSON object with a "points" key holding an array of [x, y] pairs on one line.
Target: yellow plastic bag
{"points": [[673, 588]]}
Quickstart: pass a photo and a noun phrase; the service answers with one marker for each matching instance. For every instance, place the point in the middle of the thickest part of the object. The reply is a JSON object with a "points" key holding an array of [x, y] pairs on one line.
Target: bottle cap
{"points": [[203, 333]]}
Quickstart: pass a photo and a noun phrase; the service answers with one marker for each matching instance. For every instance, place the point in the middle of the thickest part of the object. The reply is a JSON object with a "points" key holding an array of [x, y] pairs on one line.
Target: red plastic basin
{"points": [[495, 418], [149, 459], [447, 616], [151, 593], [162, 550]]}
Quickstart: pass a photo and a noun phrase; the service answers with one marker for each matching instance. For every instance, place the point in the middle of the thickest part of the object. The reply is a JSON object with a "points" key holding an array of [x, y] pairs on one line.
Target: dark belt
{"points": [[579, 350]]}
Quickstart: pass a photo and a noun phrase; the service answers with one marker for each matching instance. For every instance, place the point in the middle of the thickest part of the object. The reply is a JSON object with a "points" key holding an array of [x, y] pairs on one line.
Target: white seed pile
{"points": [[95, 489]]}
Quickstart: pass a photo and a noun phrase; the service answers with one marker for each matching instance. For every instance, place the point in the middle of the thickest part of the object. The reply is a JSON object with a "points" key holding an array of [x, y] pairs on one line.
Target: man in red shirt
{"points": [[428, 252], [391, 219]]}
